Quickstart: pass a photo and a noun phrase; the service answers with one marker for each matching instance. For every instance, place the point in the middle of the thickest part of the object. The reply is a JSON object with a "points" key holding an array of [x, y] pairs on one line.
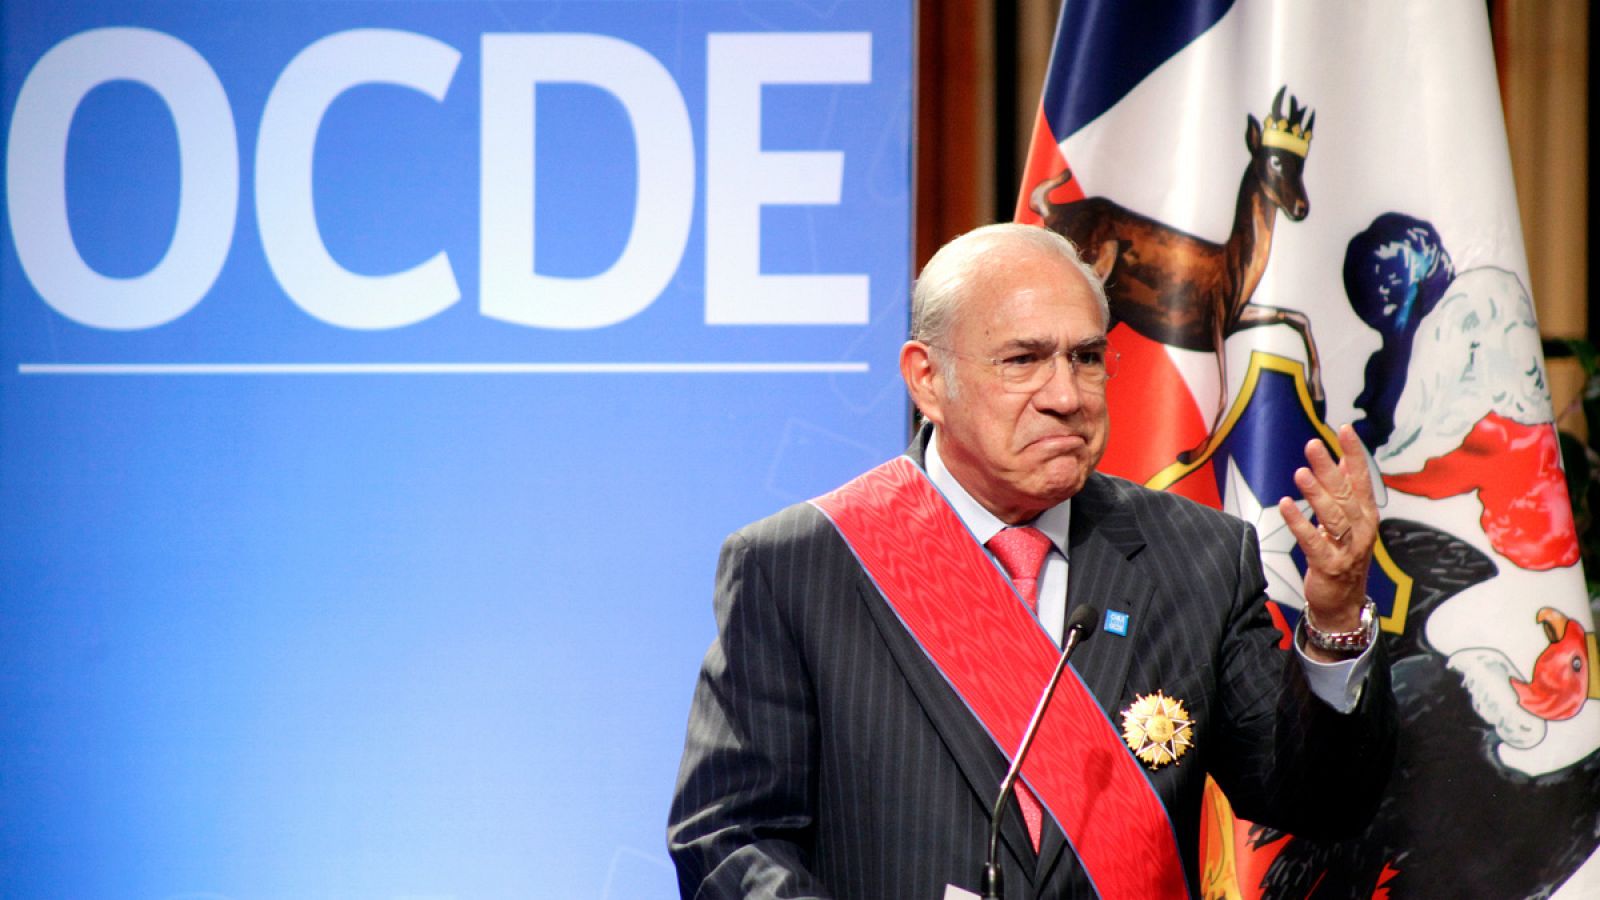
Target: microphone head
{"points": [[1084, 618]]}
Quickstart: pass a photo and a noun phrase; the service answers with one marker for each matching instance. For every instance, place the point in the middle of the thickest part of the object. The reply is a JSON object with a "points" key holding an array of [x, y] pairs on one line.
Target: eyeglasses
{"points": [[1026, 371]]}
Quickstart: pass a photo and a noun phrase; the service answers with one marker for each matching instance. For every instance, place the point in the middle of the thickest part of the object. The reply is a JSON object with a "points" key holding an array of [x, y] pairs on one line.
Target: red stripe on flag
{"points": [[1153, 418], [1044, 161]]}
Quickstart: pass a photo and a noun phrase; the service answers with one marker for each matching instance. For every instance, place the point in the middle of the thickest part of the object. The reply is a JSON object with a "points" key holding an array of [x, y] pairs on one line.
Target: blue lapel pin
{"points": [[1117, 622]]}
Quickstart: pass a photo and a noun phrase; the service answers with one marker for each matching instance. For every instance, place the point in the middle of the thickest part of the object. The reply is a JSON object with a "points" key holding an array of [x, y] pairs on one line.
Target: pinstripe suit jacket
{"points": [[827, 757]]}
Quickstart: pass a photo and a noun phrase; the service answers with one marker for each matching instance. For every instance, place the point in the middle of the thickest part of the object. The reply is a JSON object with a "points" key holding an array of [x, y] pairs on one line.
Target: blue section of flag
{"points": [[1105, 47], [1265, 442], [1117, 622]]}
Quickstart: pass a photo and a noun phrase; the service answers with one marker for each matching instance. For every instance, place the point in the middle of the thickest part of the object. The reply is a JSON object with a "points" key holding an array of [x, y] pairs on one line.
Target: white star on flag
{"points": [[1285, 584]]}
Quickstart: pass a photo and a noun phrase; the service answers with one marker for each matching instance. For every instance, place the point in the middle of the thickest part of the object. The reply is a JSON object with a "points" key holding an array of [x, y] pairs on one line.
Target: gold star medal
{"points": [[1157, 729]]}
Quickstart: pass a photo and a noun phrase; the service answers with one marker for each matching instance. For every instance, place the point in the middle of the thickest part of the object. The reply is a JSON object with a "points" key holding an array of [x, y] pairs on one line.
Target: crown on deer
{"points": [[1288, 133]]}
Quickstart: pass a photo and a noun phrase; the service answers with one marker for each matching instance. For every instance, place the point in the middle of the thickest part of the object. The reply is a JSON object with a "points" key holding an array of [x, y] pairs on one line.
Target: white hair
{"points": [[958, 269]]}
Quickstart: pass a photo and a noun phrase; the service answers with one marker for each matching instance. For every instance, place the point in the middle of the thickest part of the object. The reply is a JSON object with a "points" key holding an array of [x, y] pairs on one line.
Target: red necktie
{"points": [[1022, 552]]}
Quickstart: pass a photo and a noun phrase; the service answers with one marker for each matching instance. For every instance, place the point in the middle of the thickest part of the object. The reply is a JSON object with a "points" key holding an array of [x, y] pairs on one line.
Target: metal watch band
{"points": [[1354, 641]]}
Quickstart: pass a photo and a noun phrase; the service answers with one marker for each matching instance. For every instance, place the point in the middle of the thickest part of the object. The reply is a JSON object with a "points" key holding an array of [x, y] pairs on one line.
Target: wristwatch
{"points": [[1356, 640]]}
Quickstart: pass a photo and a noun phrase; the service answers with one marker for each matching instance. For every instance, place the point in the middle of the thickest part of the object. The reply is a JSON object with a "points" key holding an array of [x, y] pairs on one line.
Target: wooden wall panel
{"points": [[1542, 49], [1542, 53], [954, 158]]}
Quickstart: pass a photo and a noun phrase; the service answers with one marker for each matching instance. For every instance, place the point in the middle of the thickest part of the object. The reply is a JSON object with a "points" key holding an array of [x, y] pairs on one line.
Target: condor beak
{"points": [[1554, 622]]}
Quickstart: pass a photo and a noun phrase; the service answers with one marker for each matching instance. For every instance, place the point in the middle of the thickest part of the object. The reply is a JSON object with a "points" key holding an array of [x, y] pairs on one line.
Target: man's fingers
{"points": [[1340, 493], [1338, 548], [1322, 462], [1354, 463], [1325, 503], [1311, 541]]}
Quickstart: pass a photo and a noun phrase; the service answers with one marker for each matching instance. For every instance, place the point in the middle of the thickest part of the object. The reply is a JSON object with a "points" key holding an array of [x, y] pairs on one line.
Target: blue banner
{"points": [[377, 382]]}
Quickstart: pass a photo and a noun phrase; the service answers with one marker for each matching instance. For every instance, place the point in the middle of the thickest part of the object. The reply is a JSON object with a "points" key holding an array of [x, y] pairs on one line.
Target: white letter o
{"points": [[36, 173]]}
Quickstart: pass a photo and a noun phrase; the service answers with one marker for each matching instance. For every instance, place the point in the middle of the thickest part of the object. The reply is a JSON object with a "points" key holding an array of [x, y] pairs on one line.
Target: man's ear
{"points": [[923, 380]]}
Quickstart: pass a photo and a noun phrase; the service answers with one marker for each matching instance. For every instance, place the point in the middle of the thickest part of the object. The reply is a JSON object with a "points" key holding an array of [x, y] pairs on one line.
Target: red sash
{"points": [[969, 620]]}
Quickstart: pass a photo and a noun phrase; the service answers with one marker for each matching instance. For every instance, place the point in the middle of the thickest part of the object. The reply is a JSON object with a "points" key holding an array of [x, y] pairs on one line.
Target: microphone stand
{"points": [[1080, 625]]}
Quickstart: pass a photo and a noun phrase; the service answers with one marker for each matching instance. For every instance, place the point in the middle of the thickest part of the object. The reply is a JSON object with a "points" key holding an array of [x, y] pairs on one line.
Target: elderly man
{"points": [[880, 649]]}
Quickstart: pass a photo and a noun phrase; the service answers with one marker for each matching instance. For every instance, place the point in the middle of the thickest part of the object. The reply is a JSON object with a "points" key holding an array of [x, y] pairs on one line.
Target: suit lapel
{"points": [[1102, 545]]}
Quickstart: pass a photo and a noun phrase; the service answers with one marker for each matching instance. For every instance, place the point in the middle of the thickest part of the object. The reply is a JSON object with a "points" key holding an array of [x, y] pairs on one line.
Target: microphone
{"points": [[1080, 627]]}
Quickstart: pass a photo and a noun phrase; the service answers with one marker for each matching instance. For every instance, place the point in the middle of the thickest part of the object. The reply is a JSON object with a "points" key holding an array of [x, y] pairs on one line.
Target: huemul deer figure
{"points": [[1186, 291]]}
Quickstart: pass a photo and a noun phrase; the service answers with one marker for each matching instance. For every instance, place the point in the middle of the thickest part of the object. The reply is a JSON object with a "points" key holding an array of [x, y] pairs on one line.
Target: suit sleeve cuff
{"points": [[1337, 684]]}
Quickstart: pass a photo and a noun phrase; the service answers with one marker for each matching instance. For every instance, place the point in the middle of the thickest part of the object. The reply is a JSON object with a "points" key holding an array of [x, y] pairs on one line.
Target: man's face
{"points": [[1019, 453]]}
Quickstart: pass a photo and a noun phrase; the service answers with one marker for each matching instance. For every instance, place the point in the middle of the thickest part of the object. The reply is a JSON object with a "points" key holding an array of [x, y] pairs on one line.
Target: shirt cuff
{"points": [[1337, 684]]}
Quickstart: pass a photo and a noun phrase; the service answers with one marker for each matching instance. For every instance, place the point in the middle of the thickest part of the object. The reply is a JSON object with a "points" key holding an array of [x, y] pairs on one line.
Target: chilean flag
{"points": [[1305, 216]]}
